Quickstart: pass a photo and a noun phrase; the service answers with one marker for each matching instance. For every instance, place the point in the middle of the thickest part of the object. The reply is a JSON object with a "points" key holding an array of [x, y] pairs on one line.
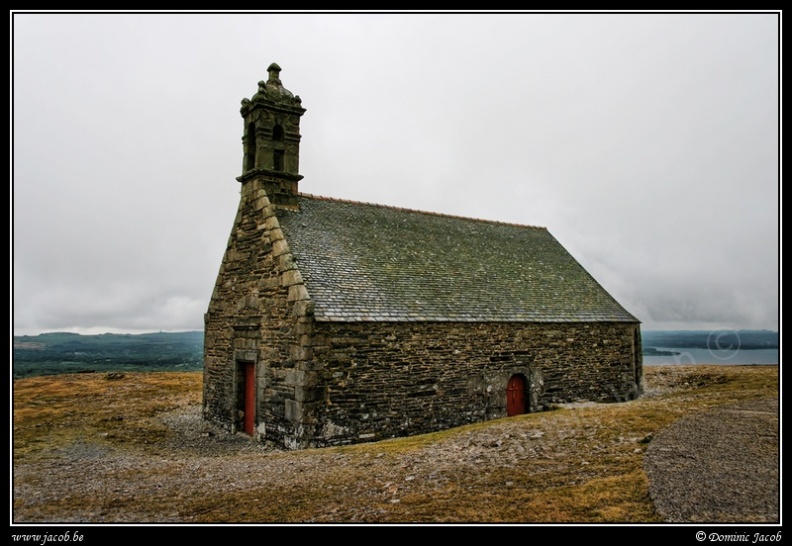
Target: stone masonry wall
{"points": [[257, 314], [381, 380]]}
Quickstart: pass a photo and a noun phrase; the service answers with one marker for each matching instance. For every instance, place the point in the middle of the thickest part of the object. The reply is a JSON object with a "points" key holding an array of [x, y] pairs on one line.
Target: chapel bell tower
{"points": [[271, 140]]}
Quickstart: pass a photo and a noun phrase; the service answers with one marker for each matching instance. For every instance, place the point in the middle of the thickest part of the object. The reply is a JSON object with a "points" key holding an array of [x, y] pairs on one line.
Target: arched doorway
{"points": [[515, 395]]}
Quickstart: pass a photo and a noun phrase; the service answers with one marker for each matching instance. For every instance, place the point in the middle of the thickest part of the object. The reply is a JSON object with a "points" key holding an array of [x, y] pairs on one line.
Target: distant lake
{"points": [[705, 356]]}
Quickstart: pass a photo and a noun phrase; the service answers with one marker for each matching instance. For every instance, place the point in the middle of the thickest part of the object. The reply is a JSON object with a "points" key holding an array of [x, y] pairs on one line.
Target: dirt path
{"points": [[720, 465]]}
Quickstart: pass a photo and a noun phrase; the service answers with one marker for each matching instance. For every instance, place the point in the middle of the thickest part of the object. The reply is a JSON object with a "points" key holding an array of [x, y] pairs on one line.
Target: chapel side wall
{"points": [[384, 380], [254, 316]]}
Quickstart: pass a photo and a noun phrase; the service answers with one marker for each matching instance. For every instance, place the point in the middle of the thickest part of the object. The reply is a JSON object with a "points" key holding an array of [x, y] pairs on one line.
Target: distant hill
{"points": [[65, 352], [709, 339]]}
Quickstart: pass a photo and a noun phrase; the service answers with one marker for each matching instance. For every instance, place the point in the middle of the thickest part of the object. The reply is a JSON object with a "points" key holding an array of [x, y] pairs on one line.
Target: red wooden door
{"points": [[250, 398], [515, 396]]}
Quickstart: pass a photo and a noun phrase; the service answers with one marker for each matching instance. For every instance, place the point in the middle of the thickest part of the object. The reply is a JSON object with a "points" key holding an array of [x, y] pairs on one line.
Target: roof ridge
{"points": [[428, 213]]}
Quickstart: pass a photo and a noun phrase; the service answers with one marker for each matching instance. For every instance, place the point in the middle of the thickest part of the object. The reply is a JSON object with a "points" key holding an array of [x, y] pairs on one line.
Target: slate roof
{"points": [[364, 262]]}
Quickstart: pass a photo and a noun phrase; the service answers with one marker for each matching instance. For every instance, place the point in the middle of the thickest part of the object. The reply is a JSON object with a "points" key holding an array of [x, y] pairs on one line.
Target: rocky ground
{"points": [[720, 465], [199, 458]]}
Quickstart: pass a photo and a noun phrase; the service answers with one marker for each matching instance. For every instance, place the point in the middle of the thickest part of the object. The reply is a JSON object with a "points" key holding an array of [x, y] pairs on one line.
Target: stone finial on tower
{"points": [[271, 140], [274, 72]]}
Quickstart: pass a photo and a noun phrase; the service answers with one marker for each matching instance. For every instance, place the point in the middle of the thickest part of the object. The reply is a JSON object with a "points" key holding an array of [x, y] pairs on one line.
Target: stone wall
{"points": [[257, 314], [380, 380]]}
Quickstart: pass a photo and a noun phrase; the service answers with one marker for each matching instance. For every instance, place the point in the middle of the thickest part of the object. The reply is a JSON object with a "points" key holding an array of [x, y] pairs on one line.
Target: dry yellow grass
{"points": [[52, 410], [589, 467]]}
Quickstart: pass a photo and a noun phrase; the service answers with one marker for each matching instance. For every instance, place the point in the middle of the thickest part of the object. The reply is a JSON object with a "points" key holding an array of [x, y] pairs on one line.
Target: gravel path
{"points": [[718, 466]]}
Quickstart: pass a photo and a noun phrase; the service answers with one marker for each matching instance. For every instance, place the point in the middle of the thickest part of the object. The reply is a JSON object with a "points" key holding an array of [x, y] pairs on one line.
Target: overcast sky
{"points": [[646, 144]]}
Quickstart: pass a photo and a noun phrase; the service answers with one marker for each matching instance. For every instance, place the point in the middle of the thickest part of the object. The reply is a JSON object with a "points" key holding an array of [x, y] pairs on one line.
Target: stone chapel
{"points": [[334, 322]]}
